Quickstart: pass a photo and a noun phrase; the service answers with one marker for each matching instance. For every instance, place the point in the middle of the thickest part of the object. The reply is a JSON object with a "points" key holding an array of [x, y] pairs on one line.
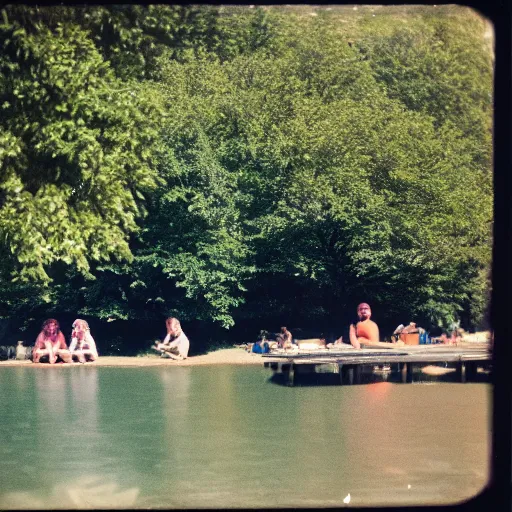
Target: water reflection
{"points": [[419, 441], [218, 437], [52, 414]]}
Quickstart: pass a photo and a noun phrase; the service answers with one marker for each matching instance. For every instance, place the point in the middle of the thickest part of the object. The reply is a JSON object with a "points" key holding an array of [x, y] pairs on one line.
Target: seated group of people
{"points": [[363, 332], [51, 344]]}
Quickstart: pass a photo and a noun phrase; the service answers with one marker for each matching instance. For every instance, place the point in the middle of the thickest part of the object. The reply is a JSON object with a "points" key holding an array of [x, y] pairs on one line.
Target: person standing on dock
{"points": [[365, 330]]}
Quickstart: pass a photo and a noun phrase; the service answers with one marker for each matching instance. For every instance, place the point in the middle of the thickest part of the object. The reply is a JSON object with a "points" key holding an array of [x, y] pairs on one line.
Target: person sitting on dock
{"points": [[284, 338], [51, 343], [82, 343], [365, 331], [176, 343], [448, 340]]}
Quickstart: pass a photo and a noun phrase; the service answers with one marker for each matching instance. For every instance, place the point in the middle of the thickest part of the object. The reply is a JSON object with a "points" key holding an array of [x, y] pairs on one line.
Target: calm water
{"points": [[228, 436]]}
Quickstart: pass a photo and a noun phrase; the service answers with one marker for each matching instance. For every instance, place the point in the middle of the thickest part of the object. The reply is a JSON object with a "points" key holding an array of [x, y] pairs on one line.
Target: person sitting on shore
{"points": [[261, 346], [82, 344], [51, 343], [284, 338], [176, 344]]}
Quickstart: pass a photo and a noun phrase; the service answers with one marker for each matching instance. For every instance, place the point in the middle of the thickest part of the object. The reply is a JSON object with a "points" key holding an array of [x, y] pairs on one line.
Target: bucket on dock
{"points": [[410, 335], [410, 338]]}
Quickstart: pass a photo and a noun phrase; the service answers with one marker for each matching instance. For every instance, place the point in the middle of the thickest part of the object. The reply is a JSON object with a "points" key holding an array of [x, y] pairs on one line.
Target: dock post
{"points": [[406, 372], [403, 371], [358, 371], [461, 371], [346, 374], [471, 370], [291, 375], [350, 375], [341, 371]]}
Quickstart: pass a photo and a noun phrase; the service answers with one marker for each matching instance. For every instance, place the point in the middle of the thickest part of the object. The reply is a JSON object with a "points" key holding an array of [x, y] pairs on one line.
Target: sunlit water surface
{"points": [[230, 436]]}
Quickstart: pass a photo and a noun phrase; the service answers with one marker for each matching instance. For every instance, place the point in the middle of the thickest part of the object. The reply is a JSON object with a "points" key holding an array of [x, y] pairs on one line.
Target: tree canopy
{"points": [[230, 165]]}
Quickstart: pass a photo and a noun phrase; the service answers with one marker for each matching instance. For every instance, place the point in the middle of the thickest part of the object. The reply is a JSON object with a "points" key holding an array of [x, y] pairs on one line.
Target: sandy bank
{"points": [[222, 356]]}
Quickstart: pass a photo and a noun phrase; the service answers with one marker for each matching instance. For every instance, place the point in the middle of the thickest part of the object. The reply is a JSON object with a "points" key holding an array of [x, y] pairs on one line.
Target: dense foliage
{"points": [[245, 167]]}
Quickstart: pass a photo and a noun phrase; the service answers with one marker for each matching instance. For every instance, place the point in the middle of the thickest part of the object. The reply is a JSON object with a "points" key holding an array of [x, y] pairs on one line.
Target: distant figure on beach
{"points": [[51, 343], [449, 340], [21, 351], [260, 347], [82, 344], [456, 336], [175, 344], [444, 339], [284, 338], [365, 330]]}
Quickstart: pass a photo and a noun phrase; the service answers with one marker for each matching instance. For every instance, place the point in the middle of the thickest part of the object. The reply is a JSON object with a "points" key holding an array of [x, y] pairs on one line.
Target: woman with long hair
{"points": [[51, 342]]}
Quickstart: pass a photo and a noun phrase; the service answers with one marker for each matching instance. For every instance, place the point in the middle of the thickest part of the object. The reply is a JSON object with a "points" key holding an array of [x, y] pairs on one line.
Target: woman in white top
{"points": [[175, 344], [82, 343]]}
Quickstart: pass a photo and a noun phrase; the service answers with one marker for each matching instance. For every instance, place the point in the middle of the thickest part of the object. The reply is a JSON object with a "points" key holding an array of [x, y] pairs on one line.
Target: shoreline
{"points": [[233, 356], [236, 356]]}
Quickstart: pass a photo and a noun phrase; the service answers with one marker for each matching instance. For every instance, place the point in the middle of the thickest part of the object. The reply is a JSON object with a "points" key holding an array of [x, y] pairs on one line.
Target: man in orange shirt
{"points": [[365, 331]]}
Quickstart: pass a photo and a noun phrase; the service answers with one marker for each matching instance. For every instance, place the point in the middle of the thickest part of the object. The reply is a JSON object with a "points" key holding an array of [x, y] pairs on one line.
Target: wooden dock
{"points": [[349, 362]]}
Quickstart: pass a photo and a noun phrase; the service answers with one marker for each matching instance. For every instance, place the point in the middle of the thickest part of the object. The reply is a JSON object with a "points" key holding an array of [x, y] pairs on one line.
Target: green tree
{"points": [[75, 153], [305, 159]]}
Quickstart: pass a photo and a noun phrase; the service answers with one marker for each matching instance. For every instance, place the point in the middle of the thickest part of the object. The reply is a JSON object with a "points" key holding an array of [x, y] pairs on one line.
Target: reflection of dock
{"points": [[349, 362]]}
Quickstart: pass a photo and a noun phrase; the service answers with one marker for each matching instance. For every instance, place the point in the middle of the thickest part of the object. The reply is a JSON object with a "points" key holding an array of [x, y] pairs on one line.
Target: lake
{"points": [[231, 436]]}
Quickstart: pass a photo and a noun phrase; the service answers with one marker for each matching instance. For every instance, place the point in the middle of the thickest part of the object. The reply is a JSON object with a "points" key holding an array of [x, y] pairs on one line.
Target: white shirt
{"points": [[88, 340], [181, 343]]}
